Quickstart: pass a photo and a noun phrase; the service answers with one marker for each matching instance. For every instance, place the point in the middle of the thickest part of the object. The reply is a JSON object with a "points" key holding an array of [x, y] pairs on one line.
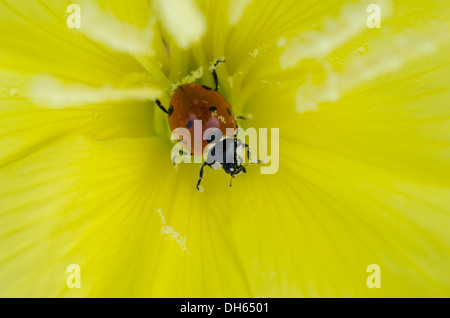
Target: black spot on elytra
{"points": [[189, 124], [206, 87], [228, 111], [210, 138], [170, 110], [213, 108]]}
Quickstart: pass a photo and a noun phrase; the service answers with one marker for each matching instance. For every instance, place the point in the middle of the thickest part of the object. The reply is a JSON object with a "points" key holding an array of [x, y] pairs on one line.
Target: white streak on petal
{"points": [[384, 57], [236, 10], [336, 31], [182, 19], [46, 91], [168, 231], [117, 35]]}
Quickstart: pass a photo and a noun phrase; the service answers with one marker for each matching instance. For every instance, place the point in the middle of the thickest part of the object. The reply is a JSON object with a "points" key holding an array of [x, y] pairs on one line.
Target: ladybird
{"points": [[191, 102]]}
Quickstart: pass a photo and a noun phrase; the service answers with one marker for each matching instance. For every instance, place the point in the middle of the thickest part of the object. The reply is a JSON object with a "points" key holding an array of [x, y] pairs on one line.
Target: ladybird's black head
{"points": [[225, 154]]}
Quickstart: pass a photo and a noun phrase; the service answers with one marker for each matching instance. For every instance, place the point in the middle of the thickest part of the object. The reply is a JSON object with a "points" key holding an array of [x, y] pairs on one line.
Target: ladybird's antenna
{"points": [[161, 106], [213, 70]]}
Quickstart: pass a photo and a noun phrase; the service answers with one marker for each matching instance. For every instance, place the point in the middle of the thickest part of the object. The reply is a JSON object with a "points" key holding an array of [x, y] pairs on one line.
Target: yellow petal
{"points": [[40, 34], [116, 34], [363, 179], [26, 128], [64, 95], [182, 20], [98, 205]]}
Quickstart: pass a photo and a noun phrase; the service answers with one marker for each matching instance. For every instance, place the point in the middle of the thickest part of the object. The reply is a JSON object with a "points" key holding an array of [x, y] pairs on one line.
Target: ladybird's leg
{"points": [[200, 177], [238, 143], [161, 106], [249, 155], [249, 116], [213, 71], [180, 153], [236, 131], [235, 148], [231, 180], [248, 152]]}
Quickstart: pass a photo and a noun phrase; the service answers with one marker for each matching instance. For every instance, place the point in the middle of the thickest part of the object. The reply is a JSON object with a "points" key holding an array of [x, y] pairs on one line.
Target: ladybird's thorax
{"points": [[227, 152]]}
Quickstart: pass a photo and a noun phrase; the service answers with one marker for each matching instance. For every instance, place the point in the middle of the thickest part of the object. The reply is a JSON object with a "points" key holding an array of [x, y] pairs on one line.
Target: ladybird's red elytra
{"points": [[192, 102]]}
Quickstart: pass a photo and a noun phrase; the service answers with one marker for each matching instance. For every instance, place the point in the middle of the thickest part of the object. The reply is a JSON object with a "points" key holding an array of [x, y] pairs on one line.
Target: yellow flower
{"points": [[86, 176]]}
